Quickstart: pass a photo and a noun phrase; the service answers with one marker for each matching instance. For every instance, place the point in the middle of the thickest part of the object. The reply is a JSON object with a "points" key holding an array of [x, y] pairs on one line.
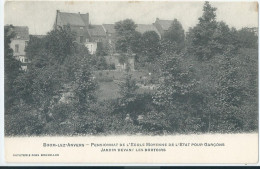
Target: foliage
{"points": [[248, 38], [85, 85], [201, 36], [175, 35], [35, 45], [12, 69], [150, 47], [101, 51], [60, 43], [128, 40]]}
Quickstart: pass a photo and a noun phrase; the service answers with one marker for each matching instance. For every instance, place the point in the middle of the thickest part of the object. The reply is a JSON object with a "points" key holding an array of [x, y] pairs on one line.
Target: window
{"points": [[81, 28], [81, 39], [16, 48], [26, 60], [18, 37]]}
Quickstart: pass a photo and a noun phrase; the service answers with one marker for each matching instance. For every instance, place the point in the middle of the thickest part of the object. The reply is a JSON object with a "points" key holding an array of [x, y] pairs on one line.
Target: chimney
{"points": [[58, 11], [79, 12]]}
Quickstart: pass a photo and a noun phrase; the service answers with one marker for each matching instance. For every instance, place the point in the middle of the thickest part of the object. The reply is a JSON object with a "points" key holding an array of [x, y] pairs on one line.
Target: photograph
{"points": [[173, 69]]}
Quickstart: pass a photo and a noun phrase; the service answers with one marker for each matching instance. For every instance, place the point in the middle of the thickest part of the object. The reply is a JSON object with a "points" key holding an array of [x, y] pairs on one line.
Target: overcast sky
{"points": [[40, 16]]}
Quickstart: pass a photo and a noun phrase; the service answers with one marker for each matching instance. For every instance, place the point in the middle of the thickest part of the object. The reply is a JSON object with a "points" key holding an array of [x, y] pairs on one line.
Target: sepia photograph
{"points": [[147, 69]]}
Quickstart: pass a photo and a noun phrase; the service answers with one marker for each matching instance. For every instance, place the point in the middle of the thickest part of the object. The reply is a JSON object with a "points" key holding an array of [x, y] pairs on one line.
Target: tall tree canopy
{"points": [[128, 40], [202, 45], [175, 35]]}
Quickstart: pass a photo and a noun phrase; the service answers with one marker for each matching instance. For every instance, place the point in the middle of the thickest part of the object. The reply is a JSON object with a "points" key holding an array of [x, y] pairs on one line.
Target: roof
{"points": [[165, 24], [96, 30], [75, 19], [142, 28], [21, 32], [109, 28]]}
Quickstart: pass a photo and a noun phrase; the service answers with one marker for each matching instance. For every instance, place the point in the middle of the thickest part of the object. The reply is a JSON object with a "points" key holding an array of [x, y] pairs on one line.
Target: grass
{"points": [[108, 90]]}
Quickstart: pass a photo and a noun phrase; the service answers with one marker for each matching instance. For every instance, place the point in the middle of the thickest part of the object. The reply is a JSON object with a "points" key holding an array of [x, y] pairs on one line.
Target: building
{"points": [[78, 23], [97, 38], [19, 43], [162, 25], [142, 28], [86, 34]]}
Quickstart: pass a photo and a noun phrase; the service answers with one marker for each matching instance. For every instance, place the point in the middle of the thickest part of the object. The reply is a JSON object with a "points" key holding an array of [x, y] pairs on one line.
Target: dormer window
{"points": [[81, 28], [18, 37]]}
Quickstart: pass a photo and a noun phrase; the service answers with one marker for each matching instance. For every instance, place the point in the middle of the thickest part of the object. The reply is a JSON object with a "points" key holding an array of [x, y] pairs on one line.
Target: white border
{"points": [[2, 161]]}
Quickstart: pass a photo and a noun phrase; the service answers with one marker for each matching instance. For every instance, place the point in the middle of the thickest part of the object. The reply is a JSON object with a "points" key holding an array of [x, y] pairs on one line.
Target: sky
{"points": [[39, 16]]}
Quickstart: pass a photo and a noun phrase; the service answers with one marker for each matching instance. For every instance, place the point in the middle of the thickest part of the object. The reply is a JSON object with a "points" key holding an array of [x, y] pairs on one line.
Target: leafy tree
{"points": [[177, 94], [35, 45], [127, 38], [150, 46], [60, 43], [177, 83], [12, 68], [175, 35], [247, 38], [85, 85], [201, 36], [128, 93]]}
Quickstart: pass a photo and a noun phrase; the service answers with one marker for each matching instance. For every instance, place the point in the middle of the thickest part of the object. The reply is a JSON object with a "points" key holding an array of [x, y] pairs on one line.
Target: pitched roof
{"points": [[142, 28], [21, 32], [109, 28], [75, 19], [165, 24], [96, 30]]}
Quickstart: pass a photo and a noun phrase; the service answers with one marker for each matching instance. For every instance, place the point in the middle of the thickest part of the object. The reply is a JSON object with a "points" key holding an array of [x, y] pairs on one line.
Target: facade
{"points": [[162, 25], [19, 43]]}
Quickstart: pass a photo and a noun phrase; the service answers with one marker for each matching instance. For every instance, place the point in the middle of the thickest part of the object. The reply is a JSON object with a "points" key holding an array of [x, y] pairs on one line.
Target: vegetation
{"points": [[204, 82]]}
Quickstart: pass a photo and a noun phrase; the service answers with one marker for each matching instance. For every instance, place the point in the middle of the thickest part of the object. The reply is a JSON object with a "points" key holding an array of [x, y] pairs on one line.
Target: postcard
{"points": [[131, 82]]}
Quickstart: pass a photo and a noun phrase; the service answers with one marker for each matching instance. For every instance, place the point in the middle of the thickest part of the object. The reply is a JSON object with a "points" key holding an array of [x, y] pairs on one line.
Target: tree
{"points": [[100, 50], [12, 68], [247, 38], [175, 35], [177, 94], [85, 85], [201, 36], [128, 92], [127, 38], [35, 45], [150, 46], [60, 43]]}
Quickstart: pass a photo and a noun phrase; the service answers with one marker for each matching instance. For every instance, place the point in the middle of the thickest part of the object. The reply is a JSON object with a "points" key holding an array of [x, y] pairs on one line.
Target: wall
{"points": [[92, 47], [21, 44]]}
